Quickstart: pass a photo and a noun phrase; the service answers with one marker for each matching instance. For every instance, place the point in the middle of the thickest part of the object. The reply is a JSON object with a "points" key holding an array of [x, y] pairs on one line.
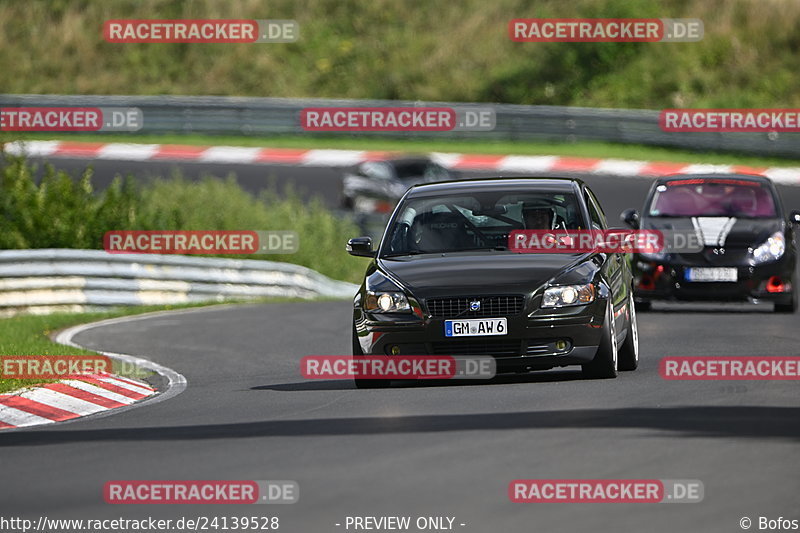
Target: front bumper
{"points": [[666, 280], [529, 345]]}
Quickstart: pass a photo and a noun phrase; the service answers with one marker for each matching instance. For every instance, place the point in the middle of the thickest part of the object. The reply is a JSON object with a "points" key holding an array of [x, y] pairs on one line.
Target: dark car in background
{"points": [[444, 261], [376, 186], [748, 243]]}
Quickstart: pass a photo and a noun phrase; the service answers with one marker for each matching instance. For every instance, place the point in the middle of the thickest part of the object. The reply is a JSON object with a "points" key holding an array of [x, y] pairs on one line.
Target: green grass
{"points": [[582, 149], [30, 334], [60, 211], [413, 50]]}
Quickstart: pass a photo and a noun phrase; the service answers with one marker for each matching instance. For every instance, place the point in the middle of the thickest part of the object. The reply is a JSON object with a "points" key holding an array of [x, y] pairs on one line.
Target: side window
{"points": [[595, 213]]}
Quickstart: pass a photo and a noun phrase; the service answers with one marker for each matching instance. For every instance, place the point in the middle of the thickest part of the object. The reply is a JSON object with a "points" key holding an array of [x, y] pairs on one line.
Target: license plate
{"points": [[473, 327], [711, 274]]}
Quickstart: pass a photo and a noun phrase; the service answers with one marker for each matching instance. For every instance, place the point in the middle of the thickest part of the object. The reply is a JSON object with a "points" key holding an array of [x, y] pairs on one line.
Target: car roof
{"points": [[718, 175], [495, 184], [410, 159]]}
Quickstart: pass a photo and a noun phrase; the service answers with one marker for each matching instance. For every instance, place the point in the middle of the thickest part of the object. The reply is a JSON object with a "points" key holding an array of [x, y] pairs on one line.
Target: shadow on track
{"points": [[547, 376], [700, 308], [718, 421]]}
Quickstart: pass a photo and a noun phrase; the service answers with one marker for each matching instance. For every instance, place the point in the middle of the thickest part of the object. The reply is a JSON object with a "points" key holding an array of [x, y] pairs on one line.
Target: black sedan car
{"points": [[376, 186], [444, 265], [747, 244]]}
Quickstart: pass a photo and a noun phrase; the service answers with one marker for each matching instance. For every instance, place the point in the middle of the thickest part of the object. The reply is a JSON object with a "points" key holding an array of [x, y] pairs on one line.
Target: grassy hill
{"points": [[413, 49]]}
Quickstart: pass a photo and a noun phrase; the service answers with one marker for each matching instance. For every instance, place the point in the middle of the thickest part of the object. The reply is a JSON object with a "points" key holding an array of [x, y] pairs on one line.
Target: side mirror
{"points": [[794, 217], [630, 217], [360, 247]]}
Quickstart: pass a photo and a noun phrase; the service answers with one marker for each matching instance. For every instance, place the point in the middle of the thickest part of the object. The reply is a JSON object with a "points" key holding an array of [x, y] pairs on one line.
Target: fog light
{"points": [[395, 350], [647, 283], [775, 284], [561, 345]]}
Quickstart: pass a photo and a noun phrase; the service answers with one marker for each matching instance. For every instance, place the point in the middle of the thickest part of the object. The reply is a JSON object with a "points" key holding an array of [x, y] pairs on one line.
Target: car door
{"points": [[616, 264]]}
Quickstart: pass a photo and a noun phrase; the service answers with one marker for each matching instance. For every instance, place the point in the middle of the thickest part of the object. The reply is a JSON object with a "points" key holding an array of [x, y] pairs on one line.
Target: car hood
{"points": [[729, 232], [488, 272]]}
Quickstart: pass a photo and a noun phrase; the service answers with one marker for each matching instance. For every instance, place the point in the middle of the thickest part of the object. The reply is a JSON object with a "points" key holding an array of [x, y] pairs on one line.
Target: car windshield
{"points": [[713, 198], [480, 221]]}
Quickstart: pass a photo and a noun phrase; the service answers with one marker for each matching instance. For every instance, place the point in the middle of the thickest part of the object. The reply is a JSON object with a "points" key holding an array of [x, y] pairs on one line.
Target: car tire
{"points": [[644, 306], [791, 306], [628, 356], [358, 353], [787, 308], [604, 364]]}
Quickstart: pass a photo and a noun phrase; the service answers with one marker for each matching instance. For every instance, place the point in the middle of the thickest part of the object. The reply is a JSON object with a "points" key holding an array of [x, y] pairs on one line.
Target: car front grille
{"points": [[499, 348], [490, 306], [496, 348], [538, 348]]}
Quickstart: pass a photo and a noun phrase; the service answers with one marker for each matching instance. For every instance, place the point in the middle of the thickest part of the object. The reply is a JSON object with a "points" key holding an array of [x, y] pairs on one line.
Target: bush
{"points": [[413, 50], [63, 212]]}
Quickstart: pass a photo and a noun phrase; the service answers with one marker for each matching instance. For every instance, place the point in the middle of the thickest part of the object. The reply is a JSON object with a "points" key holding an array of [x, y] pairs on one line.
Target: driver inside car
{"points": [[538, 218]]}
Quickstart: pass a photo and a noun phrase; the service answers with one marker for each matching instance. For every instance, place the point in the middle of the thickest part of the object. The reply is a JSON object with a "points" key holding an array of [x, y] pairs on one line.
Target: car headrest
{"points": [[440, 231]]}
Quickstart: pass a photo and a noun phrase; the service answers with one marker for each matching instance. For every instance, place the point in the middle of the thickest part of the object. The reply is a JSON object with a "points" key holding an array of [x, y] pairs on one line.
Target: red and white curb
{"points": [[333, 158], [98, 395], [69, 399]]}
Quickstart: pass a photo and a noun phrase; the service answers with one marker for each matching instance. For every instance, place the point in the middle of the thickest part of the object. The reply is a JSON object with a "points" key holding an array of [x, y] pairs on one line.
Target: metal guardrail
{"points": [[41, 281], [276, 116]]}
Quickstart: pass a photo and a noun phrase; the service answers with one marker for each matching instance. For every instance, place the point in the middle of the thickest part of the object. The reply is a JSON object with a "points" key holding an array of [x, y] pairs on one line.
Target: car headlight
{"points": [[566, 295], [386, 302], [771, 250]]}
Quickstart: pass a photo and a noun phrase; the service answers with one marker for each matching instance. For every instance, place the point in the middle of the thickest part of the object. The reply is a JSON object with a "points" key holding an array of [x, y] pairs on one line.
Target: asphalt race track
{"points": [[615, 193], [443, 449]]}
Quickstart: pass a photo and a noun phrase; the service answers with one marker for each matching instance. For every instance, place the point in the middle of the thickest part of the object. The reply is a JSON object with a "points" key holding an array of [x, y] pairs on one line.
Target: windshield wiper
{"points": [[498, 248], [409, 252]]}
